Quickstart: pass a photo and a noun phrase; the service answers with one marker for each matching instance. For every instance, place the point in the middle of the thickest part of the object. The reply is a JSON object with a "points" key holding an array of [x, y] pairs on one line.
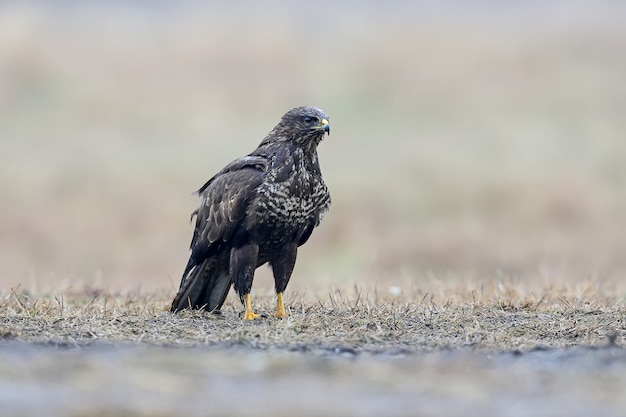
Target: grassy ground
{"points": [[492, 351], [493, 318], [472, 262]]}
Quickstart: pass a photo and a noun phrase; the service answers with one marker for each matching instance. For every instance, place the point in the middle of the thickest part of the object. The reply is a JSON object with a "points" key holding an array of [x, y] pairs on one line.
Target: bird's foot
{"points": [[281, 313], [251, 315]]}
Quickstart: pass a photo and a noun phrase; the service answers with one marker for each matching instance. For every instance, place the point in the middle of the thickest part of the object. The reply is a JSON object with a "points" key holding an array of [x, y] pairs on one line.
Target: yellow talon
{"points": [[280, 310], [249, 314]]}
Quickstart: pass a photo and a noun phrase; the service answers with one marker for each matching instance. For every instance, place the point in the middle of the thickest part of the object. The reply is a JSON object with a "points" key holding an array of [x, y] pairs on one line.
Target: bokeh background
{"points": [[471, 141]]}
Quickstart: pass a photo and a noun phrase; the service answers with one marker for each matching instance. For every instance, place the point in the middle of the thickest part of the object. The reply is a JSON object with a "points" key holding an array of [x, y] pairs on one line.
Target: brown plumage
{"points": [[258, 209]]}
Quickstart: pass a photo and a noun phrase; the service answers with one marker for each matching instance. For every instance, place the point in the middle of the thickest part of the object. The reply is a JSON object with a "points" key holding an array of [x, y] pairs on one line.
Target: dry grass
{"points": [[494, 317], [495, 350]]}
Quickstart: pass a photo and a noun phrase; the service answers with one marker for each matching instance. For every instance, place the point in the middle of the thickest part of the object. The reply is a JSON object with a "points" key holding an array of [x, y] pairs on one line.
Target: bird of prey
{"points": [[258, 209]]}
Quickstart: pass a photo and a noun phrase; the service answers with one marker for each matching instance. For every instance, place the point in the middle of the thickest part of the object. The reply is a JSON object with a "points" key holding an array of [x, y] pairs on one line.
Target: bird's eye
{"points": [[310, 119]]}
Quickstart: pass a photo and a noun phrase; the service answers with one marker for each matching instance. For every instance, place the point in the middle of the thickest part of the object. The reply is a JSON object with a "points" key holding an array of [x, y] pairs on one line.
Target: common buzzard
{"points": [[258, 209]]}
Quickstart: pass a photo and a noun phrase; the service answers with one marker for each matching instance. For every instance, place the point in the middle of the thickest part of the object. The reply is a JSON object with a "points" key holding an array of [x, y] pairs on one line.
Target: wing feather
{"points": [[224, 201]]}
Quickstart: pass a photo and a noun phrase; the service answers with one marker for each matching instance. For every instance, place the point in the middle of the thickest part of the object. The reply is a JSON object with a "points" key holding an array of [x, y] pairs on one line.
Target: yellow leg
{"points": [[249, 314], [280, 310]]}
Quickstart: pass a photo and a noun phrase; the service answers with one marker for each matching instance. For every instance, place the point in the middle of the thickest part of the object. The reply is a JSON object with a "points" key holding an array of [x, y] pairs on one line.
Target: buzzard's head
{"points": [[303, 125]]}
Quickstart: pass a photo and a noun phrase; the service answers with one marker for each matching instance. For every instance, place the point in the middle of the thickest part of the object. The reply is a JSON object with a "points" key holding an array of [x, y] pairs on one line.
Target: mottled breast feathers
{"points": [[274, 186]]}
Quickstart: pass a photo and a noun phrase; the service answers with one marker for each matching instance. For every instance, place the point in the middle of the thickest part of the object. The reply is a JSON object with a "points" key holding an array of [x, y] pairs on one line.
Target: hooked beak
{"points": [[325, 126]]}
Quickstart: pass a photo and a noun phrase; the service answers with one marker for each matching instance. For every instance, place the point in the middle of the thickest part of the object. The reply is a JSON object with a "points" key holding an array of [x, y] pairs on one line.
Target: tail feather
{"points": [[203, 286]]}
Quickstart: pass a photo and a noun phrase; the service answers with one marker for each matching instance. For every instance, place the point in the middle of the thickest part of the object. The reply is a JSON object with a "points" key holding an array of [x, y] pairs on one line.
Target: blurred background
{"points": [[470, 140]]}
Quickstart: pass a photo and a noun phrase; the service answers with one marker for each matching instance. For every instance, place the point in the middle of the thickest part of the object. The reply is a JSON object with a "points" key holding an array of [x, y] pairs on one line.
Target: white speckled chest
{"points": [[286, 205], [293, 195]]}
